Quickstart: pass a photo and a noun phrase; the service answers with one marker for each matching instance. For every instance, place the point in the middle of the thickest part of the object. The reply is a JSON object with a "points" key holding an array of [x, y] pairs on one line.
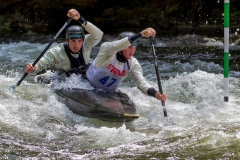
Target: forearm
{"points": [[95, 34], [145, 33], [41, 65], [137, 74], [82, 21], [135, 37], [146, 88], [115, 46], [51, 57], [90, 28]]}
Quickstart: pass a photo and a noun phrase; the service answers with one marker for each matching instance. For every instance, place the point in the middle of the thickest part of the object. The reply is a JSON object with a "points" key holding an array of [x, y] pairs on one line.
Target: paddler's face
{"points": [[75, 44], [129, 52]]}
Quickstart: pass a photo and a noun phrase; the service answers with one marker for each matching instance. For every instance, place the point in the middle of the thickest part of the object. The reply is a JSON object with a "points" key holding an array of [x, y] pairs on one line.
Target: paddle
{"points": [[12, 88], [158, 77]]}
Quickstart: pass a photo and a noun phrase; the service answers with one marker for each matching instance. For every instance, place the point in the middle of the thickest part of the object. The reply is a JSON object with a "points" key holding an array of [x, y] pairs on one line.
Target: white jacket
{"points": [[106, 55], [58, 57]]}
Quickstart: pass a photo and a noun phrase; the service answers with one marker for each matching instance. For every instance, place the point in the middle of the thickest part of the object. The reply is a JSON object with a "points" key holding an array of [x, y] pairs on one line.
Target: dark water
{"points": [[35, 125]]}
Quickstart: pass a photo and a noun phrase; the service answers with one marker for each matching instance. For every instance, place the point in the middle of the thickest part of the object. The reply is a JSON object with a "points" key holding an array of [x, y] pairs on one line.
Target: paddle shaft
{"points": [[158, 77], [43, 52]]}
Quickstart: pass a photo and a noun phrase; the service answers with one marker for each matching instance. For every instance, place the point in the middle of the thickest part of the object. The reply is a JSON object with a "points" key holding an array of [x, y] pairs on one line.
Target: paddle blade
{"points": [[12, 88]]}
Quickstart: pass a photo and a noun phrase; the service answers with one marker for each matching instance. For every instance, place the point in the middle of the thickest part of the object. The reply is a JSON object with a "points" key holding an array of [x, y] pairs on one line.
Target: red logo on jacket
{"points": [[115, 71]]}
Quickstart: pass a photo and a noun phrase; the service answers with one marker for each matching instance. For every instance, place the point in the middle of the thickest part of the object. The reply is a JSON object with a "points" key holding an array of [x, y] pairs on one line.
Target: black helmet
{"points": [[128, 34], [74, 32]]}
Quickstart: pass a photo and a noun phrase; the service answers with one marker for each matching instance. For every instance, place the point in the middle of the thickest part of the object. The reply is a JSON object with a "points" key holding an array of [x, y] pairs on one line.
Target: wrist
{"points": [[134, 37], [151, 92], [82, 21]]}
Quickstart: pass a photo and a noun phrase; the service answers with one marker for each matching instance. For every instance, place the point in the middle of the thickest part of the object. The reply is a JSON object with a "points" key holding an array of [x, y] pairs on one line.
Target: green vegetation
{"points": [[4, 25]]}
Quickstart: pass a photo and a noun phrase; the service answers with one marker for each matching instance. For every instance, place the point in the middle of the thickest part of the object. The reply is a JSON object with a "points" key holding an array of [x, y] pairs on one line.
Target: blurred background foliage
{"points": [[168, 17]]}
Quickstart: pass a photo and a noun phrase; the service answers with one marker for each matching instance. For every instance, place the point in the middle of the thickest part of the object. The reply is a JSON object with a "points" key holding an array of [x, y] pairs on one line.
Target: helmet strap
{"points": [[121, 57]]}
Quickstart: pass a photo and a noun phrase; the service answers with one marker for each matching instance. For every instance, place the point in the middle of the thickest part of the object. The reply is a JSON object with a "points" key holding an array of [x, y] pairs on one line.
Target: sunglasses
{"points": [[76, 35]]}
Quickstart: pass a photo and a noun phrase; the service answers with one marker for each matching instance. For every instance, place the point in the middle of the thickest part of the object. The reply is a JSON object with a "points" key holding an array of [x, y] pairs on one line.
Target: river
{"points": [[200, 125]]}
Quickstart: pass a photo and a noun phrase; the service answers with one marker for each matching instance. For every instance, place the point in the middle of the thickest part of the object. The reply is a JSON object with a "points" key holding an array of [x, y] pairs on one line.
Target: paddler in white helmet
{"points": [[75, 52], [115, 61]]}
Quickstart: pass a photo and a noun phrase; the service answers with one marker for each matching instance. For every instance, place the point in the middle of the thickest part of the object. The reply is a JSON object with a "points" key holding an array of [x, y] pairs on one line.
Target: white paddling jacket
{"points": [[58, 57], [107, 73]]}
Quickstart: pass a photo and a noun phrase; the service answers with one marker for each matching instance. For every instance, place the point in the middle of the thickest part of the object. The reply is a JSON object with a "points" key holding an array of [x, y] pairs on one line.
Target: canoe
{"points": [[110, 106]]}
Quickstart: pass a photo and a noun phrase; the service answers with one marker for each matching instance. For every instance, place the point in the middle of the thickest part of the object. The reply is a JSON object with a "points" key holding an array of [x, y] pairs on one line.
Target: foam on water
{"points": [[195, 102], [74, 81], [34, 121]]}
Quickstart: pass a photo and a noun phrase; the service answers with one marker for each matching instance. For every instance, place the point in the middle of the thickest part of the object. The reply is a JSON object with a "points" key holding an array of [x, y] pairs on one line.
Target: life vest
{"points": [[78, 65], [109, 76]]}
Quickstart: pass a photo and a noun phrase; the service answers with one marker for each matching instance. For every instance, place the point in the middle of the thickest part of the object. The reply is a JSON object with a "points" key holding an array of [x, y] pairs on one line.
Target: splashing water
{"points": [[34, 124]]}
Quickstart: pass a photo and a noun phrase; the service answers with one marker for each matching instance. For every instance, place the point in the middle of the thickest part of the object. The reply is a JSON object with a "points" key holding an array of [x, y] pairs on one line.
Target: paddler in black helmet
{"points": [[75, 52], [115, 61]]}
